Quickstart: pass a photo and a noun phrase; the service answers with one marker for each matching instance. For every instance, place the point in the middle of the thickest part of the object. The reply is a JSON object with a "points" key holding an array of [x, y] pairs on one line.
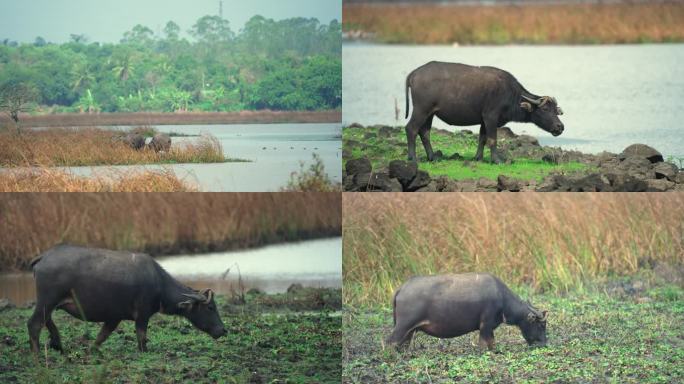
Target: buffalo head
{"points": [[544, 113], [533, 327], [201, 310]]}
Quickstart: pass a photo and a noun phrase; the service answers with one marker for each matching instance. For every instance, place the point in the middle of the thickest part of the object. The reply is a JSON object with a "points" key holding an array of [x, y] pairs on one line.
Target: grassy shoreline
{"points": [[161, 224], [159, 118], [514, 24], [264, 342]]}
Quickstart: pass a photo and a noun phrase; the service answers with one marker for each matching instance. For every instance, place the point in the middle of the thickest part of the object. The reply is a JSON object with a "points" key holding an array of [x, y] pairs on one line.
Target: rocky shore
{"points": [[638, 168]]}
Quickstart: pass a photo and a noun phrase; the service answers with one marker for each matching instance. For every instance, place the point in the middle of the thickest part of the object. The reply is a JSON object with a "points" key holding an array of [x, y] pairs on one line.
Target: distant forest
{"points": [[291, 64]]}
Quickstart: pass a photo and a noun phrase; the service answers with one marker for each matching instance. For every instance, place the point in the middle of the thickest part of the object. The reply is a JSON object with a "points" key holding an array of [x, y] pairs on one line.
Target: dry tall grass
{"points": [[55, 180], [94, 146], [547, 24], [160, 223], [547, 241]]}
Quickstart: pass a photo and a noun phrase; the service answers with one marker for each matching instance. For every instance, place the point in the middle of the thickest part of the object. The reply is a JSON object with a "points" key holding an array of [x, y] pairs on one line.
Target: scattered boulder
{"points": [[357, 166], [421, 180], [486, 184], [386, 131], [403, 171], [665, 170], [505, 183], [381, 182], [161, 142], [294, 288], [505, 133], [370, 135], [641, 150], [455, 156], [659, 185], [355, 125]]}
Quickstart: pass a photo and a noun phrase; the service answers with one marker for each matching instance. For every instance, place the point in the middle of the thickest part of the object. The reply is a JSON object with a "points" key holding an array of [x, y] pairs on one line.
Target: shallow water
{"points": [[612, 95], [312, 263], [274, 151]]}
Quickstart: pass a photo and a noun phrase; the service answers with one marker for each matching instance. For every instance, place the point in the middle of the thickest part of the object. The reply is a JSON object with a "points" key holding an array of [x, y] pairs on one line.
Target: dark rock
{"points": [[455, 156], [256, 291], [381, 182], [370, 135], [679, 179], [466, 131], [438, 155], [641, 150], [357, 166], [550, 158], [386, 131], [590, 183], [403, 171], [665, 170], [294, 288], [486, 184], [161, 142], [621, 182], [355, 125], [445, 184], [528, 140], [361, 181], [348, 183], [5, 304], [505, 133], [505, 183], [346, 153], [351, 144], [421, 180], [659, 185], [431, 187], [466, 186]]}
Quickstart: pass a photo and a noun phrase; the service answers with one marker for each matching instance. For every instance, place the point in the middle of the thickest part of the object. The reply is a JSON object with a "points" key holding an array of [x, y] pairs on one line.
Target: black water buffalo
{"points": [[452, 305], [161, 142], [134, 140], [461, 94], [106, 286]]}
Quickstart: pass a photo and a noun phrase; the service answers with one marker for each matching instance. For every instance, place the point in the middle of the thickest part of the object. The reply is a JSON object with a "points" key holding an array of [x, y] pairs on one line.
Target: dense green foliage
{"points": [[290, 64]]}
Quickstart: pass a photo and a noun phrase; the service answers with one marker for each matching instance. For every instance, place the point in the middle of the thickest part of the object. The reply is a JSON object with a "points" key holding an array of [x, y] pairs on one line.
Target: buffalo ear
{"points": [[544, 313], [185, 304], [526, 106]]}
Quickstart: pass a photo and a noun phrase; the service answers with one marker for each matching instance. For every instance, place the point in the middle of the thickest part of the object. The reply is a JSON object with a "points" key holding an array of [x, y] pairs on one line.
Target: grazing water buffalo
{"points": [[134, 140], [161, 142], [461, 94], [452, 305], [105, 286]]}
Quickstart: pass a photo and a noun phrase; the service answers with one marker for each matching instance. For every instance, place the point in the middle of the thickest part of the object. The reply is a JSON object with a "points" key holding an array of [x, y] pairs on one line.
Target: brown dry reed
{"points": [[548, 242], [161, 223], [530, 24], [55, 180], [95, 146]]}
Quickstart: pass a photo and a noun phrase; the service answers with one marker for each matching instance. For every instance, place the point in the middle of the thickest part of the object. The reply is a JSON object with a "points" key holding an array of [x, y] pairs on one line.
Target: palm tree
{"points": [[124, 67], [82, 75]]}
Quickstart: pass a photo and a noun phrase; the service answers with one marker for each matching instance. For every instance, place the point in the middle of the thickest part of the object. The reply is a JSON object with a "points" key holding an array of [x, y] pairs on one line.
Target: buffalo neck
{"points": [[515, 310], [172, 293], [518, 114]]}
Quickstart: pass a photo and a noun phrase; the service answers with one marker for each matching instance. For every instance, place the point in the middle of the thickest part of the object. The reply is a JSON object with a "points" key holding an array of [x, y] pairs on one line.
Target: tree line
{"points": [[290, 64]]}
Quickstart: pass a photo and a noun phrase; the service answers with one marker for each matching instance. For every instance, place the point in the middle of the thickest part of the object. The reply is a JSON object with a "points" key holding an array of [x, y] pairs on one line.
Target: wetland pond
{"points": [[612, 95], [273, 152], [272, 269]]}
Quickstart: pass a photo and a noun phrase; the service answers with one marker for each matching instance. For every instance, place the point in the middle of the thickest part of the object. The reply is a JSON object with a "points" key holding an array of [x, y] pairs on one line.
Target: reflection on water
{"points": [[275, 151], [314, 263], [612, 95]]}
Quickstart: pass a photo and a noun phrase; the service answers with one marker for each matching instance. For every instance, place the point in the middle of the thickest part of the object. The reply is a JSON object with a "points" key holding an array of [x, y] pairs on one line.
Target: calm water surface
{"points": [[612, 95], [275, 151], [312, 263]]}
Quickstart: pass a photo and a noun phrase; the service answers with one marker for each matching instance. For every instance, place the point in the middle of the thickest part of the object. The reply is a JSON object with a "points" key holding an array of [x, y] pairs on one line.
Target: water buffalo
{"points": [[161, 142], [452, 305], [134, 140], [106, 286], [461, 94]]}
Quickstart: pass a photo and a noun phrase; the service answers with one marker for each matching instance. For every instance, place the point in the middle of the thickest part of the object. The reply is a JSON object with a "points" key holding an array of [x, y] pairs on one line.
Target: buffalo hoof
{"points": [[56, 345]]}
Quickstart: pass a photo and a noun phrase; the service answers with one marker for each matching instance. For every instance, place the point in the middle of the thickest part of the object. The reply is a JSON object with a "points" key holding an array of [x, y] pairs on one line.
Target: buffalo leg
{"points": [[55, 341], [425, 137], [479, 155], [490, 128], [35, 325], [105, 331], [412, 128], [141, 333]]}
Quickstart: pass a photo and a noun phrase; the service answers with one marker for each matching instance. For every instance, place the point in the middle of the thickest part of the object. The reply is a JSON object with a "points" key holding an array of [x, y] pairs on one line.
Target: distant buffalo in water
{"points": [[107, 287], [461, 94], [452, 305], [161, 142]]}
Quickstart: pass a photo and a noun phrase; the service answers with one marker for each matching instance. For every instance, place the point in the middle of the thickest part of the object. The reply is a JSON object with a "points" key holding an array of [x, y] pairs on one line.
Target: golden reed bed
{"points": [[161, 223], [505, 24], [547, 241]]}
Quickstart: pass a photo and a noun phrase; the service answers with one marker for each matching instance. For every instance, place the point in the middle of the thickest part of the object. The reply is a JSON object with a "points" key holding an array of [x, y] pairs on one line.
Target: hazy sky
{"points": [[107, 20]]}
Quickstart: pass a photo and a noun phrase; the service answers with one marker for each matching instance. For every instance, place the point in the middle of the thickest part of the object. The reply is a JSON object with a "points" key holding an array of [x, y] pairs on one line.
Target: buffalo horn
{"points": [[195, 297], [207, 294], [538, 102]]}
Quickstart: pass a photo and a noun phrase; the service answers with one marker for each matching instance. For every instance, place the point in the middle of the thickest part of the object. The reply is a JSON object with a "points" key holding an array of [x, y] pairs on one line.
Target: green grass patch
{"points": [[593, 337], [383, 146], [264, 344]]}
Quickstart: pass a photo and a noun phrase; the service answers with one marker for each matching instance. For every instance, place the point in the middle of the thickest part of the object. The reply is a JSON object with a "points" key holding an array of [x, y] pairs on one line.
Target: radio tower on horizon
{"points": [[221, 9]]}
